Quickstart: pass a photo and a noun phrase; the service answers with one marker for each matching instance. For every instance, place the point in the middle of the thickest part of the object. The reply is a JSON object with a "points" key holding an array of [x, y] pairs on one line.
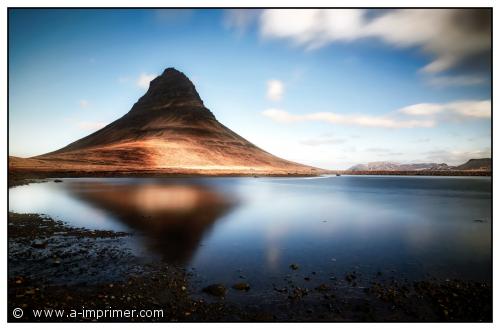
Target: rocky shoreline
{"points": [[54, 266]]}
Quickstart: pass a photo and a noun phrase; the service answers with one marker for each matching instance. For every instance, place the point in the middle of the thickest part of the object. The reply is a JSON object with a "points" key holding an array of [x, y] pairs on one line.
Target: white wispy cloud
{"points": [[322, 141], [474, 109], [240, 19], [341, 119], [144, 80], [90, 125], [83, 104], [275, 89], [429, 115], [312, 28], [377, 150], [450, 36]]}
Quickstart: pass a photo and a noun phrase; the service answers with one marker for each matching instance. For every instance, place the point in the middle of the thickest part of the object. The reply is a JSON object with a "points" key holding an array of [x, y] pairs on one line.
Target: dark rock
{"points": [[58, 181], [242, 286], [350, 277], [294, 266], [217, 290], [39, 244], [323, 287], [280, 290]]}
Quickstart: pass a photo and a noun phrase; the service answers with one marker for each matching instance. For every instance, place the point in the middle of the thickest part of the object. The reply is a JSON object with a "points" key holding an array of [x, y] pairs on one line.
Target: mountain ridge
{"points": [[482, 164]]}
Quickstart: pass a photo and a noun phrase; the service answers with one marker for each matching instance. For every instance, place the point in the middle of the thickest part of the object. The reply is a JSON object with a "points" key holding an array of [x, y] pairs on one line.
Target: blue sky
{"points": [[325, 88]]}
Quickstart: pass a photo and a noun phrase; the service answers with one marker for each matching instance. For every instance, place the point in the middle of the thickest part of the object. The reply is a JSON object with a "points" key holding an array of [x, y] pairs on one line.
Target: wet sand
{"points": [[55, 266]]}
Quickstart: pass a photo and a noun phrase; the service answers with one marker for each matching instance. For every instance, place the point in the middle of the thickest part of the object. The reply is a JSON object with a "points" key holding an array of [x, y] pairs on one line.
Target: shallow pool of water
{"points": [[252, 229]]}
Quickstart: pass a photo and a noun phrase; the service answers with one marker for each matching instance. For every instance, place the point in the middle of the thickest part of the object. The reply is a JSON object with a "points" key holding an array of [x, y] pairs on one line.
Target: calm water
{"points": [[226, 229]]}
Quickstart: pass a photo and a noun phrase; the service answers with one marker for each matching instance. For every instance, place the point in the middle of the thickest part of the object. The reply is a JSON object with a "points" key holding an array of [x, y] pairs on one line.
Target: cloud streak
{"points": [[322, 141], [275, 90], [450, 36], [240, 19], [463, 109], [428, 114], [353, 120], [90, 125], [144, 80], [377, 150]]}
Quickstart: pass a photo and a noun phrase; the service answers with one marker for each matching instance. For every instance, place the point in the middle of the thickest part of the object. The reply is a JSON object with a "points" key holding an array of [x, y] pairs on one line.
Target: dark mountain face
{"points": [[169, 127], [172, 91], [476, 164]]}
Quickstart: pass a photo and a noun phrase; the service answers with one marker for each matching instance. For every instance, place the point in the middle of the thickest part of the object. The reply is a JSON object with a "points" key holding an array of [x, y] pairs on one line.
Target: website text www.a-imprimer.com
{"points": [[89, 314]]}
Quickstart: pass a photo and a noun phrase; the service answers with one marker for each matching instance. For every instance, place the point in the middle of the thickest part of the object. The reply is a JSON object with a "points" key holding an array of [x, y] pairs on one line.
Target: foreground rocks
{"points": [[93, 269], [242, 286], [217, 290]]}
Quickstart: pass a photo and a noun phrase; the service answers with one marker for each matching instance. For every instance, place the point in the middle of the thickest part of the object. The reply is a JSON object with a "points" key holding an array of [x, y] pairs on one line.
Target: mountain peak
{"points": [[169, 130], [172, 71], [173, 75], [171, 89]]}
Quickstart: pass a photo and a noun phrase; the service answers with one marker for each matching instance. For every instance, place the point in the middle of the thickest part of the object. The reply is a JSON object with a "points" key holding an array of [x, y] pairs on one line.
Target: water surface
{"points": [[251, 229]]}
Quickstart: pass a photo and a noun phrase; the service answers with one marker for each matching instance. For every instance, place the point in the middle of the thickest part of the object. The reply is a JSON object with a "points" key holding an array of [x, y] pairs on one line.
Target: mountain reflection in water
{"points": [[415, 226], [171, 218]]}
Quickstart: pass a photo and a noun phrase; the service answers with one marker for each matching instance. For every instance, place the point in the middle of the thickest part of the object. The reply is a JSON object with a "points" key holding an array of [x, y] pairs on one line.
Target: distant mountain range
{"points": [[482, 164]]}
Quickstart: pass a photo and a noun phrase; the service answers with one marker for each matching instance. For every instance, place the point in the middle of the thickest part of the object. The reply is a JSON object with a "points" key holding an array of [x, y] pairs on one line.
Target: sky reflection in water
{"points": [[231, 227]]}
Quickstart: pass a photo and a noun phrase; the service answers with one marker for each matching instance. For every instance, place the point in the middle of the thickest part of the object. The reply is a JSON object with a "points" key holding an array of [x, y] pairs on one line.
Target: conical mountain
{"points": [[169, 129]]}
